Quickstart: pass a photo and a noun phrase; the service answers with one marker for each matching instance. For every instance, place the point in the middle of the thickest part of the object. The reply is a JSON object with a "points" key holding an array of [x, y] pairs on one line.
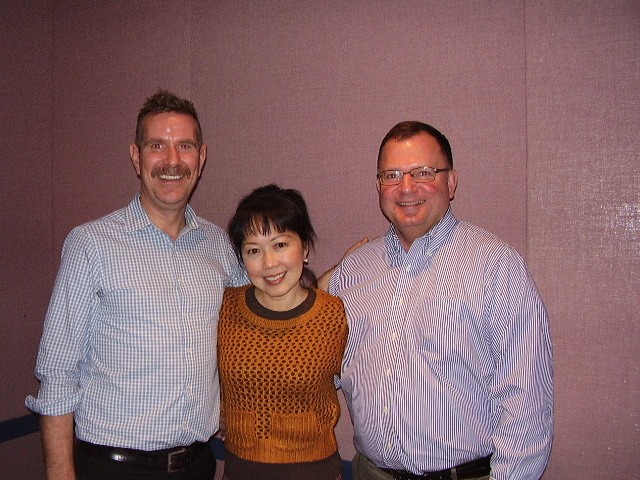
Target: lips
{"points": [[275, 278]]}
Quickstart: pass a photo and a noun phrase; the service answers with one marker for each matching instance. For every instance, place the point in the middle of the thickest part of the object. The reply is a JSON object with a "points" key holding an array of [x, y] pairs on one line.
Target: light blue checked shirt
{"points": [[449, 354], [129, 342]]}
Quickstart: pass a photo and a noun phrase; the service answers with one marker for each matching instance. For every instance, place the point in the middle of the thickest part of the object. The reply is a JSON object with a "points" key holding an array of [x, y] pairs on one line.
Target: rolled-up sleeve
{"points": [[66, 329]]}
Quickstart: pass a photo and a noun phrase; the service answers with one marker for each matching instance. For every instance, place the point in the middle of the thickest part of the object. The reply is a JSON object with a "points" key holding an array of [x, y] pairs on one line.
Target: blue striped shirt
{"points": [[449, 354], [129, 342]]}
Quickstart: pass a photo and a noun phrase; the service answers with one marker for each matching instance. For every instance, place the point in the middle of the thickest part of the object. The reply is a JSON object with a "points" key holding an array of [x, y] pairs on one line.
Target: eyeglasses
{"points": [[418, 174]]}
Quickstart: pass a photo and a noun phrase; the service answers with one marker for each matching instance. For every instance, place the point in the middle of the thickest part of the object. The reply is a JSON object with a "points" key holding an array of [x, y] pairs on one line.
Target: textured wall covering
{"points": [[301, 93], [539, 99], [27, 252], [584, 225]]}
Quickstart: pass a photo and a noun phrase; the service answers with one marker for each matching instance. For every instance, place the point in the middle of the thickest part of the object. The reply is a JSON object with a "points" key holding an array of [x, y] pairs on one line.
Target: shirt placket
{"points": [[395, 362], [186, 342]]}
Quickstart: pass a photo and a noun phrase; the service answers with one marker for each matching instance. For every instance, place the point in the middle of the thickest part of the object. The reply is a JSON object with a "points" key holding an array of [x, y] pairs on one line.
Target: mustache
{"points": [[167, 171]]}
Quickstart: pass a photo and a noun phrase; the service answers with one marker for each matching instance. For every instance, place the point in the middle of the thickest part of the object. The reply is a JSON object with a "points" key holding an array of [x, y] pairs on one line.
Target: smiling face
{"points": [[169, 161], [274, 262], [414, 208]]}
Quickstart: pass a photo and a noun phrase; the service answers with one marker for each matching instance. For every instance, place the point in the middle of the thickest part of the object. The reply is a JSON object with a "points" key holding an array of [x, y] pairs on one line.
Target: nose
{"points": [[407, 183], [173, 156], [268, 260]]}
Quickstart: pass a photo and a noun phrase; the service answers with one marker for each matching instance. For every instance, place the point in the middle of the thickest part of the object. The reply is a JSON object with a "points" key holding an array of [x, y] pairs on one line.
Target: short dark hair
{"points": [[271, 209], [408, 129], [164, 101]]}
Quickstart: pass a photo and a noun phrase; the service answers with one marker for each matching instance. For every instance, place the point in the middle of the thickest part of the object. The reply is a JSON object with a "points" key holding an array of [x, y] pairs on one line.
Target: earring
{"points": [[305, 261]]}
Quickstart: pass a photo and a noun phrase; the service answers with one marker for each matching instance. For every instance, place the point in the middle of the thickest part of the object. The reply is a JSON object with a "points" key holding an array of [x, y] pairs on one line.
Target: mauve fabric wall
{"points": [[583, 105], [28, 253], [539, 100]]}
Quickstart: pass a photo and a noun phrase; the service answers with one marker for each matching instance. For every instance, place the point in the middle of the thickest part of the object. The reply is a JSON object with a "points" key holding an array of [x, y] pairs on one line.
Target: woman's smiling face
{"points": [[274, 262]]}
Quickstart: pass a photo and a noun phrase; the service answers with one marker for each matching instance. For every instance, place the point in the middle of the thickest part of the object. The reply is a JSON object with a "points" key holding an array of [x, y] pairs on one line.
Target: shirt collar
{"points": [[426, 244], [136, 217]]}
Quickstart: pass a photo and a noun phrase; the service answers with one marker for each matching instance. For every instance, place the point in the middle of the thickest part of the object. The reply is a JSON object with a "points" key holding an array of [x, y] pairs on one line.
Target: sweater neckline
{"points": [[261, 311]]}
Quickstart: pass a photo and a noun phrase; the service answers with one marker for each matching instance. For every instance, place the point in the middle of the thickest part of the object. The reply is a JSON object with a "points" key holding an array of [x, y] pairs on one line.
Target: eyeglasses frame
{"points": [[412, 173]]}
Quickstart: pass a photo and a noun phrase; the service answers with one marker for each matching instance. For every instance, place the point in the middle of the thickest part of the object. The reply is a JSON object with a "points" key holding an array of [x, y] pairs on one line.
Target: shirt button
{"points": [[189, 350], [385, 410], [388, 372]]}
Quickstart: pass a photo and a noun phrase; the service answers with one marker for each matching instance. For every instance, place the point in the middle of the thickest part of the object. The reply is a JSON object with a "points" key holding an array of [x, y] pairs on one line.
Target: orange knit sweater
{"points": [[278, 395]]}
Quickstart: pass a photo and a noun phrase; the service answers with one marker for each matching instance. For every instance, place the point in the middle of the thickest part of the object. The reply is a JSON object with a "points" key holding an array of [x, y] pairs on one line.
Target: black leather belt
{"points": [[167, 460], [475, 468]]}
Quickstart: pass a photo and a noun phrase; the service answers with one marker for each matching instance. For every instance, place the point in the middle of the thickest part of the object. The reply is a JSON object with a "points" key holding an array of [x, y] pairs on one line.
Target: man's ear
{"points": [[134, 153], [452, 182], [203, 157]]}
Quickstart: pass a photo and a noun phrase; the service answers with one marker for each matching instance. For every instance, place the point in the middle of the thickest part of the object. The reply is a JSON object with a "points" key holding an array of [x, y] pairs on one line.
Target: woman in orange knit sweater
{"points": [[280, 344]]}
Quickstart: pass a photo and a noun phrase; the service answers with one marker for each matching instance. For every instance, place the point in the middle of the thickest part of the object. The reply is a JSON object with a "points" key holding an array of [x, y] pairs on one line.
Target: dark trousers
{"points": [[364, 469], [91, 468]]}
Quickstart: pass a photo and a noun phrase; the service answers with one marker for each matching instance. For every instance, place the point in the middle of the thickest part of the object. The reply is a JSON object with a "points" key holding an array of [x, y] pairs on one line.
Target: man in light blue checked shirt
{"points": [[447, 372], [128, 352]]}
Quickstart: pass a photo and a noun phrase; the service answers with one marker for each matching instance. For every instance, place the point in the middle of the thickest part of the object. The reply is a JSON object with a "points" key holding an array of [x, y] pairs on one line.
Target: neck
{"points": [[170, 221], [406, 240], [282, 304]]}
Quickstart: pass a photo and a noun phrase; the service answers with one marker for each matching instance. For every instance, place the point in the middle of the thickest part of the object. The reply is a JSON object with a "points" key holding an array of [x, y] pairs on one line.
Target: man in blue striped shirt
{"points": [[447, 371], [128, 352]]}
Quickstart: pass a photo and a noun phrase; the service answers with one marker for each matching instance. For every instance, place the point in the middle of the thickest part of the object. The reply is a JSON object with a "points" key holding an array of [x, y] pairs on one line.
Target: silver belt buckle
{"points": [[180, 463]]}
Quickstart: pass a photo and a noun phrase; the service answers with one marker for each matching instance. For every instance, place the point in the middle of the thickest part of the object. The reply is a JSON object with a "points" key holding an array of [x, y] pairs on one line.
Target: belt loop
{"points": [[454, 474]]}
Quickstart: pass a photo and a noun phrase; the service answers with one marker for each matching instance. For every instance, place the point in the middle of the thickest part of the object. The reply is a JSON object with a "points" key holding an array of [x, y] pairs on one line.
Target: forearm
{"points": [[323, 281], [57, 446]]}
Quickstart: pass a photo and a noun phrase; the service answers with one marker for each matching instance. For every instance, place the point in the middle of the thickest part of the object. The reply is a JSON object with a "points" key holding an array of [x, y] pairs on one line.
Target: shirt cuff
{"points": [[52, 408]]}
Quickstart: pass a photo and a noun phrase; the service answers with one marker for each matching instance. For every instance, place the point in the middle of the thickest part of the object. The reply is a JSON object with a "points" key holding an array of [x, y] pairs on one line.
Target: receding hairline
{"points": [[144, 124], [406, 137]]}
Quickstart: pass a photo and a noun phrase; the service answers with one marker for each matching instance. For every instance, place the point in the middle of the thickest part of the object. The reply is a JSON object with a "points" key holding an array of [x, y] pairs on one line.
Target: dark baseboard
{"points": [[19, 427], [28, 424]]}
